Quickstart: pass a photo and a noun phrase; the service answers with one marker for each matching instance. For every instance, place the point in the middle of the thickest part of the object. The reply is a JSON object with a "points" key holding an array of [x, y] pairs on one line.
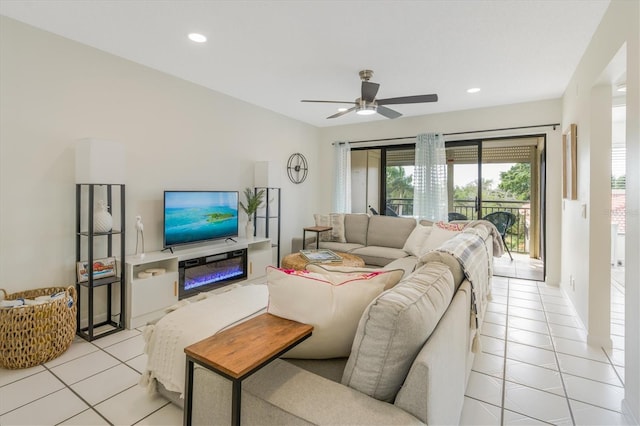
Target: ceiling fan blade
{"points": [[388, 112], [328, 102], [408, 100], [341, 113], [369, 91]]}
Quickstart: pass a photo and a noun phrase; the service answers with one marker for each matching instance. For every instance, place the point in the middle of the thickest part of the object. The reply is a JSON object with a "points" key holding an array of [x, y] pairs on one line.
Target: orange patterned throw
{"points": [[450, 226]]}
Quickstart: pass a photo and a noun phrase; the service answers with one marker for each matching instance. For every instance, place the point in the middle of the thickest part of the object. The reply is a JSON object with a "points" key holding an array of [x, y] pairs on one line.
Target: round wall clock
{"points": [[297, 168]]}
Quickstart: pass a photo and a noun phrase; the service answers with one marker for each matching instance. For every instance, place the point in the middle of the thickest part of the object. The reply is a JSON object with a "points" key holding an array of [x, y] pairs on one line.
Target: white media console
{"points": [[147, 298]]}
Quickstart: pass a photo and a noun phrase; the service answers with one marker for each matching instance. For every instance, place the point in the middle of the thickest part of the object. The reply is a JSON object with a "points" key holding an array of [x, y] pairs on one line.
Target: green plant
{"points": [[254, 201]]}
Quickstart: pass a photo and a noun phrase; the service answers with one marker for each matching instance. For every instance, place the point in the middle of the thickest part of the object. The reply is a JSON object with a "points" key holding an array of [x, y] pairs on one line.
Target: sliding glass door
{"points": [[463, 174], [484, 176], [382, 180], [488, 176]]}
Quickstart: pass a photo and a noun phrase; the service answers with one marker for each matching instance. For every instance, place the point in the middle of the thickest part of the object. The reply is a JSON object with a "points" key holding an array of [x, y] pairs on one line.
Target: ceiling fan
{"points": [[367, 103]]}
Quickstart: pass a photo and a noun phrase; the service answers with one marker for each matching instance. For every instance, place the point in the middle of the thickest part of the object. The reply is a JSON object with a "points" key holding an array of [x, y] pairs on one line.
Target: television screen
{"points": [[196, 216]]}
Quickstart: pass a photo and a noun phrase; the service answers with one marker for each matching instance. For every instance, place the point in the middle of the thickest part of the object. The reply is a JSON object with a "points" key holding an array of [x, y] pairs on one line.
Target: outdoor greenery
{"points": [[517, 181], [619, 182], [398, 184], [399, 187], [512, 192], [515, 185]]}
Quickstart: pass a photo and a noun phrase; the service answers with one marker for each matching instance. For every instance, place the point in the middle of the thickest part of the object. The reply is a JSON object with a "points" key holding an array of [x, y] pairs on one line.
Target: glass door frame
{"points": [[478, 199]]}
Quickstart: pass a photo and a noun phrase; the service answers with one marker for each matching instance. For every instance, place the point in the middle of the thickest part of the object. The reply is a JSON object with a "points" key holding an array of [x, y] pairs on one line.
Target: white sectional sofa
{"points": [[409, 361]]}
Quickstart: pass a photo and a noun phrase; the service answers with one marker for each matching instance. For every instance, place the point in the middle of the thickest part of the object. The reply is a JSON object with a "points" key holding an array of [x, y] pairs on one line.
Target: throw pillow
{"points": [[333, 305], [336, 274], [451, 226], [393, 330], [438, 236], [416, 240], [336, 221]]}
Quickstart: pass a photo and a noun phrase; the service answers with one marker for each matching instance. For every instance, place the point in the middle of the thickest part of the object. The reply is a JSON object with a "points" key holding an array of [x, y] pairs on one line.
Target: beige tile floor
{"points": [[522, 266], [534, 368]]}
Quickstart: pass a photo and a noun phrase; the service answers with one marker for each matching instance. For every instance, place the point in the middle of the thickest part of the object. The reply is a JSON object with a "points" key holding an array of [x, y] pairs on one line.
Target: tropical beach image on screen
{"points": [[193, 216]]}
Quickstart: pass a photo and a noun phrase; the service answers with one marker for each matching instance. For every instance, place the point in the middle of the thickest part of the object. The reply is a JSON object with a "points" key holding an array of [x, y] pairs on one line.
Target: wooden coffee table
{"points": [[298, 262], [240, 351]]}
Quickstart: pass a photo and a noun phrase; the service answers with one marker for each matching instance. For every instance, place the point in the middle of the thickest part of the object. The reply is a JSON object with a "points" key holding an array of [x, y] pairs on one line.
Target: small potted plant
{"points": [[253, 203]]}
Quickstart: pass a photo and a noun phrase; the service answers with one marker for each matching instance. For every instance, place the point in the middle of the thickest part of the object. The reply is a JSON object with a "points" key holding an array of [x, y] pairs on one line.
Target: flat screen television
{"points": [[197, 216]]}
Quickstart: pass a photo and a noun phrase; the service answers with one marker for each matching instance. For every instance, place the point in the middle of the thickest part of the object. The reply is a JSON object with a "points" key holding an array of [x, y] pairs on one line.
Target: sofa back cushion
{"points": [[393, 329], [439, 256], [355, 228], [389, 231]]}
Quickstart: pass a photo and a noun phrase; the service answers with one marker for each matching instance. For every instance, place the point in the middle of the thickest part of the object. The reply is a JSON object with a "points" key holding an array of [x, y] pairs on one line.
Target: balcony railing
{"points": [[517, 236]]}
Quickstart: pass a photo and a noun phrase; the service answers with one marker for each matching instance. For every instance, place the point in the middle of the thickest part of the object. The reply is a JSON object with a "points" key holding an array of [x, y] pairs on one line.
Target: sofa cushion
{"points": [[332, 304], [335, 246], [393, 329], [425, 222], [389, 231], [438, 256], [378, 256], [416, 240], [336, 221], [408, 264], [355, 228]]}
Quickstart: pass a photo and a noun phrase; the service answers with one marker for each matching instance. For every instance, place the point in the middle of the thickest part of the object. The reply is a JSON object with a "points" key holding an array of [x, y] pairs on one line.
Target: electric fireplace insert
{"points": [[209, 272]]}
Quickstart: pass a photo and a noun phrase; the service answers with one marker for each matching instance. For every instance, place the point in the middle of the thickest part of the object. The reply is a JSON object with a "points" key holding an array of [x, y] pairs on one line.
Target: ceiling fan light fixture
{"points": [[473, 90], [366, 110], [198, 38]]}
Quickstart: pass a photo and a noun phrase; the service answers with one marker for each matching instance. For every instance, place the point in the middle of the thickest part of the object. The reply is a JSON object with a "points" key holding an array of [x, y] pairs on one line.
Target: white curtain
{"points": [[342, 181], [430, 178]]}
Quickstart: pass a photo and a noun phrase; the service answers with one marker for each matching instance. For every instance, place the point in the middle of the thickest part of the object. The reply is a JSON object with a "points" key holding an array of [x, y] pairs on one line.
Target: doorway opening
{"points": [[618, 231]]}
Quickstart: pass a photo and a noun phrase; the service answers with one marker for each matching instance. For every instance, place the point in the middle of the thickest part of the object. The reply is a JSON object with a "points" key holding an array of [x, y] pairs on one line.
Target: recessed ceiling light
{"points": [[621, 87], [198, 38], [473, 90]]}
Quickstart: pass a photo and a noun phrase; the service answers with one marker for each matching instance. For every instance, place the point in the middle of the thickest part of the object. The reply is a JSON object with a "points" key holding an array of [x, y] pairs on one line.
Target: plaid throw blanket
{"points": [[469, 249], [488, 227]]}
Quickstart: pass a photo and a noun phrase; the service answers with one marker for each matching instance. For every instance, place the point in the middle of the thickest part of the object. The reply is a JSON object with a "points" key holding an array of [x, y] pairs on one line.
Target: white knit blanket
{"points": [[190, 323]]}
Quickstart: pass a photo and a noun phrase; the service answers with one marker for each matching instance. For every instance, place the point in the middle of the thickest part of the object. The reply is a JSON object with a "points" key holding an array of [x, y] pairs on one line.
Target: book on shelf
{"points": [[320, 256]]}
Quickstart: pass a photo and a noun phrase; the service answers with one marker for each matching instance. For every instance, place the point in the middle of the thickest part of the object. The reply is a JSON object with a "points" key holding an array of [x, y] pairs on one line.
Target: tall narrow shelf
{"points": [[270, 214], [88, 242]]}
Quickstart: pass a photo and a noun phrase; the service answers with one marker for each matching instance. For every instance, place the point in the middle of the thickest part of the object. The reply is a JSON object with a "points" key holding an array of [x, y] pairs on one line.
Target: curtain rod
{"points": [[554, 125]]}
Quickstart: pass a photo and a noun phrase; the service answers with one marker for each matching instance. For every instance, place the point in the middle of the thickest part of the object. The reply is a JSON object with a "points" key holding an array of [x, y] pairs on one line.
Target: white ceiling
{"points": [[275, 53]]}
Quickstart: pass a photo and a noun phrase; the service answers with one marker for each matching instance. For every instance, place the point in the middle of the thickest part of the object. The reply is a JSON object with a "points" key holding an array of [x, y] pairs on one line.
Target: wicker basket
{"points": [[33, 334]]}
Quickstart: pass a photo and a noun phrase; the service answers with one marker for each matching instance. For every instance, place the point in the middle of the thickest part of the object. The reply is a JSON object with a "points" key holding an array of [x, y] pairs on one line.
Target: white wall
{"points": [[584, 239], [177, 135], [526, 114]]}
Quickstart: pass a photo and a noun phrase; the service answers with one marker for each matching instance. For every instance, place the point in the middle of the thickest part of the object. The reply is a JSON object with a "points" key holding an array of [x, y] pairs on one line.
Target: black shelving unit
{"points": [[90, 239], [268, 216]]}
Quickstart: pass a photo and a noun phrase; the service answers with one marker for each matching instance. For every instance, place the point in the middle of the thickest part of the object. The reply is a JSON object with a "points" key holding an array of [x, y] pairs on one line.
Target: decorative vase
{"points": [[248, 229], [102, 220]]}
